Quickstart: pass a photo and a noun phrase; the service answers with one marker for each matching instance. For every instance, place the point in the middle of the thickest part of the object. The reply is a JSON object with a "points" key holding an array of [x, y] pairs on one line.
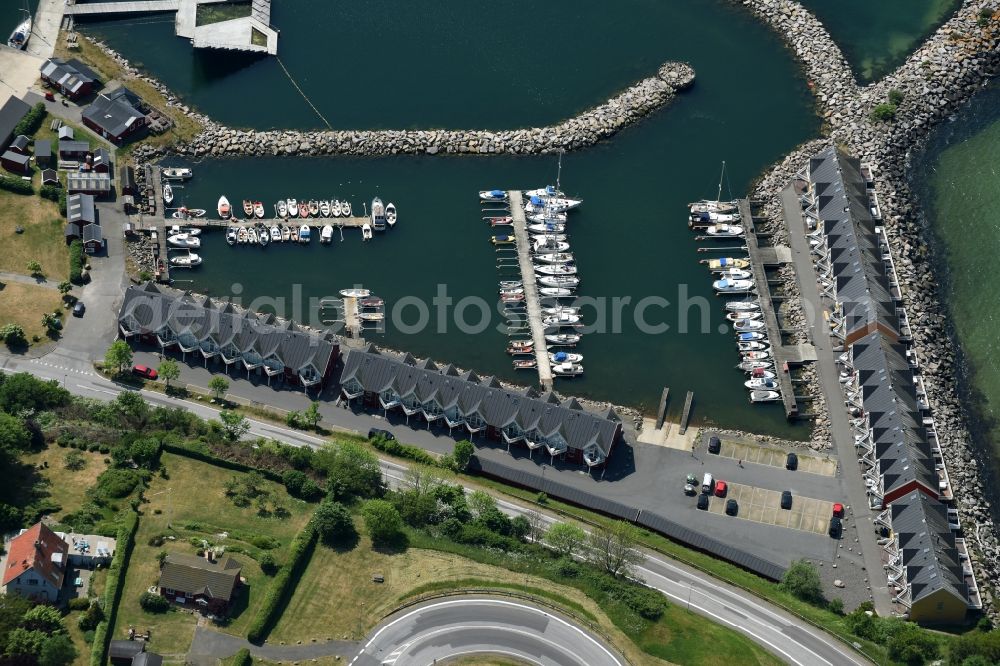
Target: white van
{"points": [[707, 484]]}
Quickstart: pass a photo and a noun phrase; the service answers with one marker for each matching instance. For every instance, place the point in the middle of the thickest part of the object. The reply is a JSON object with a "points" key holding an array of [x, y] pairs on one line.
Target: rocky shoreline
{"points": [[933, 83]]}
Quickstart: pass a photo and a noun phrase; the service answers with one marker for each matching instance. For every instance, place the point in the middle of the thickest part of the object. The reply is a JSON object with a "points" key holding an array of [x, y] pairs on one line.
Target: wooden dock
{"points": [[351, 320], [661, 413], [686, 414], [778, 350], [530, 290]]}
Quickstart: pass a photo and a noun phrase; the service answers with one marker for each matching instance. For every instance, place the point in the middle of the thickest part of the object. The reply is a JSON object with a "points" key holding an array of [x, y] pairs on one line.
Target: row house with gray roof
{"points": [[480, 405], [221, 332], [894, 431]]}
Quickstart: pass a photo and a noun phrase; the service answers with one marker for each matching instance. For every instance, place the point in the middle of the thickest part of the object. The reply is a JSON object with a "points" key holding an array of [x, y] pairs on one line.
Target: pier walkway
{"points": [[530, 290]]}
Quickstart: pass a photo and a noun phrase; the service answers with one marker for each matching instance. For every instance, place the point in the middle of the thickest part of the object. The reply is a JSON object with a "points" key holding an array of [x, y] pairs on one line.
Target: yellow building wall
{"points": [[940, 607]]}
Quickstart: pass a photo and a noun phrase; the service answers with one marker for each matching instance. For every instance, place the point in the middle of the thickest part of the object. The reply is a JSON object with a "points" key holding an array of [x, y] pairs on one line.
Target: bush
{"points": [[117, 483], [50, 192], [76, 261], [153, 603], [836, 606], [283, 586], [92, 617], [912, 645], [884, 112], [79, 603], [16, 185], [384, 524], [895, 97], [802, 581], [242, 658], [13, 335], [31, 121], [334, 525], [393, 447], [267, 563]]}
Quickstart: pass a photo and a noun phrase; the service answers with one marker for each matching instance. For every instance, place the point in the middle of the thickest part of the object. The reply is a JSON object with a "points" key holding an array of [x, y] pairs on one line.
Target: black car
{"points": [[714, 445], [703, 502], [786, 499], [378, 433], [79, 309], [732, 507], [792, 462], [836, 527]]}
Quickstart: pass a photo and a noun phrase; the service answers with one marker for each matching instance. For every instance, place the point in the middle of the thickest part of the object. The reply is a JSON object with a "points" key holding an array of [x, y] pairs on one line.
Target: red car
{"points": [[838, 510], [721, 488], [144, 371]]}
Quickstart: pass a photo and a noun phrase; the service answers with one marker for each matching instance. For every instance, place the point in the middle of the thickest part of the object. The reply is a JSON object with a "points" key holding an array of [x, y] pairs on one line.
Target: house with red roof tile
{"points": [[36, 564]]}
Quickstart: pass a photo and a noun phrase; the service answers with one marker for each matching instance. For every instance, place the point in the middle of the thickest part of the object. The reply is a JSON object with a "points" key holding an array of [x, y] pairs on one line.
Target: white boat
{"points": [[252, 235], [282, 208], [764, 396], [176, 173], [757, 355], [725, 263], [305, 233], [168, 193], [748, 325], [258, 210], [565, 339], [556, 269], [371, 316], [550, 205], [355, 293], [185, 260], [183, 240], [554, 258], [545, 246], [567, 369], [190, 231], [183, 213], [242, 236], [324, 208], [752, 345], [750, 365], [508, 284], [732, 286], [286, 234], [22, 33], [762, 373], [345, 209], [556, 292], [746, 314], [559, 281], [705, 217], [743, 306], [366, 231], [224, 209], [561, 320], [293, 208], [548, 238], [378, 215], [232, 235], [547, 218], [337, 208], [326, 234], [735, 274], [263, 236], [511, 290], [724, 230], [708, 206], [390, 214], [565, 357], [761, 384], [547, 191], [560, 310], [275, 234], [547, 228], [492, 195], [750, 336]]}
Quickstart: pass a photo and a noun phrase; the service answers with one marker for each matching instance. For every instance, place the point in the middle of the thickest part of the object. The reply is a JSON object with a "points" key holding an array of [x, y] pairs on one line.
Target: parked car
{"points": [[144, 371], [49, 96], [714, 445], [732, 508], [703, 502], [835, 527], [79, 308], [792, 462], [690, 489], [379, 433], [721, 488], [838, 510], [786, 499]]}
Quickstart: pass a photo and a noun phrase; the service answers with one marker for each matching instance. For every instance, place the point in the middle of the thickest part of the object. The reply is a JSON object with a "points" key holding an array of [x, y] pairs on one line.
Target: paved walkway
{"points": [[45, 28], [843, 436], [27, 279], [210, 645]]}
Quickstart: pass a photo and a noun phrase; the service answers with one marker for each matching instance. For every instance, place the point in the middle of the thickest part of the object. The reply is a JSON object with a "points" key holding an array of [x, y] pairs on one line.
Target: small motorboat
{"points": [[751, 365], [275, 234], [366, 232], [713, 206], [735, 274], [554, 258], [242, 236], [303, 210], [190, 231], [752, 345], [183, 240], [305, 233], [762, 373], [390, 214], [564, 339], [743, 306], [748, 325], [326, 234], [493, 195], [524, 363], [176, 173], [550, 204], [286, 234], [559, 281], [345, 209], [501, 221], [263, 236], [724, 230], [247, 208], [567, 369], [562, 319], [223, 208], [556, 292], [293, 208], [232, 235], [757, 355], [185, 260], [183, 213], [511, 290], [282, 208], [314, 208], [252, 236], [764, 396], [520, 343], [294, 232], [258, 210], [502, 239], [378, 215], [371, 316], [22, 33], [547, 191], [371, 302], [168, 194], [547, 246], [761, 384], [514, 350], [565, 357], [511, 298], [732, 286], [356, 292], [336, 208], [547, 218], [560, 310], [750, 335], [510, 284], [549, 238], [556, 269], [550, 228], [725, 263], [748, 314], [713, 218], [180, 214], [324, 208]]}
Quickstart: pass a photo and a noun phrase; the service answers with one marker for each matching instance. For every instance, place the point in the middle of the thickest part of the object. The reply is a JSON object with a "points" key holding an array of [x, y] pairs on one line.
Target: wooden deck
{"points": [[530, 290]]}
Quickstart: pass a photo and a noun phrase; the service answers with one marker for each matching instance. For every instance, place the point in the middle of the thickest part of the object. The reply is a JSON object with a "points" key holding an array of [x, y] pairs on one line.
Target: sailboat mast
{"points": [[718, 195], [559, 170]]}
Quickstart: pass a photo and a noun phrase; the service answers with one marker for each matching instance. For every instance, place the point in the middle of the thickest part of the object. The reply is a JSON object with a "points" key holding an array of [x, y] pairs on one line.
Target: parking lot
{"points": [[764, 506], [773, 457]]}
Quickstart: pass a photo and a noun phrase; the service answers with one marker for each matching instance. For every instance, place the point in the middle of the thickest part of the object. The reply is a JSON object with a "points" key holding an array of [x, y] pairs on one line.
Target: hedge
{"points": [[115, 583], [395, 448], [284, 584], [206, 457], [16, 185], [242, 658], [76, 261], [50, 192], [32, 121]]}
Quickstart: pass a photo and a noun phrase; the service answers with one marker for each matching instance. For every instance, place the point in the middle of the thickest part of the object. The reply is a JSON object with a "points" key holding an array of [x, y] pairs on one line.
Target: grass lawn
{"points": [[192, 500], [42, 239], [25, 304], [69, 487]]}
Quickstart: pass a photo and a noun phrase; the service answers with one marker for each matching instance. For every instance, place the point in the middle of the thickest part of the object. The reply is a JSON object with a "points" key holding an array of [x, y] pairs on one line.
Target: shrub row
{"points": [[76, 261], [32, 121], [212, 459], [16, 185], [50, 192], [395, 448], [284, 584], [115, 583]]}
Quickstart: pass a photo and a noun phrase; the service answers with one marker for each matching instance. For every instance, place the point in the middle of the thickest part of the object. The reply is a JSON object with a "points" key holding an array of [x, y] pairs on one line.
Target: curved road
{"points": [[778, 631], [448, 628]]}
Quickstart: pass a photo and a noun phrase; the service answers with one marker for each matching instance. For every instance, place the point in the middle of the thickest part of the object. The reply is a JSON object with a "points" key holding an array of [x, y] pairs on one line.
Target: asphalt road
{"points": [[443, 629]]}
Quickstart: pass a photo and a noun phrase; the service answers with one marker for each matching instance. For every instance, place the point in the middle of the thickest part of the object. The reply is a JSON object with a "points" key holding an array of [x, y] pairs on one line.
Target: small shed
{"points": [[98, 184], [70, 149], [101, 161], [72, 232], [50, 177], [93, 239], [66, 132], [20, 144], [80, 209], [122, 653], [15, 162], [43, 152], [127, 178]]}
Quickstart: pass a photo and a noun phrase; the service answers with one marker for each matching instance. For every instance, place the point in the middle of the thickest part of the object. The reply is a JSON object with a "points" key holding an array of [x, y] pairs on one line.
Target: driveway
{"points": [[209, 645]]}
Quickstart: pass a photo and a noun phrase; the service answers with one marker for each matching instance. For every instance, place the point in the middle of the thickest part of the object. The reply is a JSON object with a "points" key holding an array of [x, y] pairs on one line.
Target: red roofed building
{"points": [[36, 564]]}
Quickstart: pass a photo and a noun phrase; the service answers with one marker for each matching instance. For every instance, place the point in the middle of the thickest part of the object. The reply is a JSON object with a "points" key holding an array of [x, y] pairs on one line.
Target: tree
{"points": [[334, 524], [58, 650], [65, 287], [234, 424], [802, 581], [913, 645], [35, 269], [267, 564], [536, 526], [130, 409], [351, 471], [44, 618], [218, 385], [462, 454], [385, 527], [23, 642], [13, 335], [118, 356], [168, 370], [293, 480], [14, 436], [51, 323], [565, 539], [311, 417], [613, 548], [153, 603], [481, 503]]}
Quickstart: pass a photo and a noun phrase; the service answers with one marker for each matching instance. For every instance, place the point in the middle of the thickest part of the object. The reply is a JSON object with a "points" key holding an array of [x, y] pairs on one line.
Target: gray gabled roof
{"points": [[43, 148], [11, 113], [927, 547], [73, 146], [20, 143], [195, 575], [70, 74], [16, 158], [114, 114], [92, 234], [80, 208]]}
